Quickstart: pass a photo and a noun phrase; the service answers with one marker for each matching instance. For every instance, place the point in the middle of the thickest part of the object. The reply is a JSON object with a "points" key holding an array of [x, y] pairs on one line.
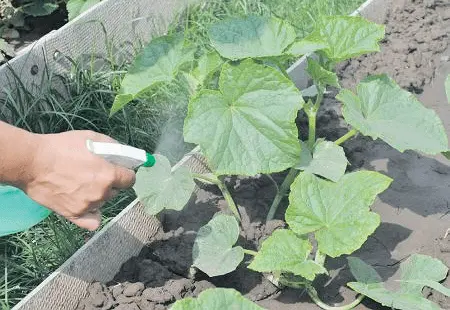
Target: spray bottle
{"points": [[18, 212]]}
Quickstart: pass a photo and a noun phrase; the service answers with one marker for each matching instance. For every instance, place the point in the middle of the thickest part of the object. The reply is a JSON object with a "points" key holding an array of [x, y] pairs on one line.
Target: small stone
{"points": [[159, 295], [95, 288], [179, 288], [98, 299], [410, 61], [117, 290], [200, 286], [430, 3], [445, 58], [146, 305], [417, 59], [122, 299], [444, 246], [399, 47], [10, 33], [420, 37], [445, 14], [438, 33], [419, 13], [132, 306], [134, 289], [273, 225]]}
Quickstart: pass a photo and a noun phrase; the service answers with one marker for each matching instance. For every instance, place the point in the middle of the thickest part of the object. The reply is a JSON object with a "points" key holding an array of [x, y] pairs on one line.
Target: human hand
{"points": [[64, 176]]}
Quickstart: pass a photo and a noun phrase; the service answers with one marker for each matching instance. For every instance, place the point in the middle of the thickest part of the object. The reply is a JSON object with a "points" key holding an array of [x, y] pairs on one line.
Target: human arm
{"points": [[58, 172]]}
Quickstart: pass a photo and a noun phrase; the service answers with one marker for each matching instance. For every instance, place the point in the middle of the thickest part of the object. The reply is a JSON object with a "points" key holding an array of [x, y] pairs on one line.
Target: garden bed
{"points": [[414, 210], [71, 41]]}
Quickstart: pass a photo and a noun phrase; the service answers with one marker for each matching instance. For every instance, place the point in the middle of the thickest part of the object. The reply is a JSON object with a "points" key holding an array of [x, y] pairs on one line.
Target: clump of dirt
{"points": [[414, 210], [19, 30]]}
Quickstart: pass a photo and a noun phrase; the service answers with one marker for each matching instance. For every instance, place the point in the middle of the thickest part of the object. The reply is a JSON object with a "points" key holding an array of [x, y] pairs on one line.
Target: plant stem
{"points": [[311, 111], [315, 297], [312, 129], [206, 178], [223, 188], [283, 70], [347, 136], [319, 98], [250, 252], [320, 258], [281, 193], [231, 204]]}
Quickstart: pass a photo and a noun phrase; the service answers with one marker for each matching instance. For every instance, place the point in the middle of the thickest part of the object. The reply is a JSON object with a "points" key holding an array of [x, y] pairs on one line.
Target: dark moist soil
{"points": [[36, 27], [415, 210]]}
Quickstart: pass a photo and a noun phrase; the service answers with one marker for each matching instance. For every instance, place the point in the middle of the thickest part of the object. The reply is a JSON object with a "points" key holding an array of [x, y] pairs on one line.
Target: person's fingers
{"points": [[95, 207], [111, 194], [90, 221], [124, 178]]}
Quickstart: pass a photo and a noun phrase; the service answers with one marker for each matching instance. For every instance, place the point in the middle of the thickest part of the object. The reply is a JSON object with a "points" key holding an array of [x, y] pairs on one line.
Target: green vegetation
{"points": [[153, 122], [244, 123]]}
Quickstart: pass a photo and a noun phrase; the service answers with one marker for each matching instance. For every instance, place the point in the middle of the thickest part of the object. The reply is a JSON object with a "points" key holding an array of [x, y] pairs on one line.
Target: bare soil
{"points": [[415, 210], [36, 27]]}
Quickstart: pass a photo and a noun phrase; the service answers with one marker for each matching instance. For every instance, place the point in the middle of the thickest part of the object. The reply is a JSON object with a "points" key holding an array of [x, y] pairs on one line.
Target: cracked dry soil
{"points": [[415, 210]]}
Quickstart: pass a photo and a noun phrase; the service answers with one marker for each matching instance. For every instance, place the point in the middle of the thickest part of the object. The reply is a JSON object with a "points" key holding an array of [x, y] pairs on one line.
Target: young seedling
{"points": [[246, 125]]}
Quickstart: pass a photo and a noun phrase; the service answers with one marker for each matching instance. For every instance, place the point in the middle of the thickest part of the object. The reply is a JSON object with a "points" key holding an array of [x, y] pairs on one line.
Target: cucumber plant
{"points": [[242, 115]]}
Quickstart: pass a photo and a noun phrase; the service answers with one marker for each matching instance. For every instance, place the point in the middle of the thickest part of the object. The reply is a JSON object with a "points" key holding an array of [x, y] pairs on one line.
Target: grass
{"points": [[153, 123], [302, 14], [83, 103]]}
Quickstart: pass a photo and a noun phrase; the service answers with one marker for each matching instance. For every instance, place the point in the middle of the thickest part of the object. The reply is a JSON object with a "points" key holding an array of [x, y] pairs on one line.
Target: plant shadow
{"points": [[420, 183], [376, 251]]}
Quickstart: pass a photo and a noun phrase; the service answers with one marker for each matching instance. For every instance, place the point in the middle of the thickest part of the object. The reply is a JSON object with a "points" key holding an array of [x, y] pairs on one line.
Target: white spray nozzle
{"points": [[118, 154]]}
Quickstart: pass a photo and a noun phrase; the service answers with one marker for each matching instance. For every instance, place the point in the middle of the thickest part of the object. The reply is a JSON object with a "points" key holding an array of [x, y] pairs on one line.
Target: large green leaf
{"points": [[363, 272], [320, 75], [40, 7], [430, 283], [251, 36], [216, 299], [283, 251], [159, 188], [420, 267], [248, 126], [327, 160], [393, 300], [213, 251], [338, 213], [158, 62], [447, 87], [381, 109], [76, 7], [207, 65], [346, 36], [305, 47], [418, 271]]}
